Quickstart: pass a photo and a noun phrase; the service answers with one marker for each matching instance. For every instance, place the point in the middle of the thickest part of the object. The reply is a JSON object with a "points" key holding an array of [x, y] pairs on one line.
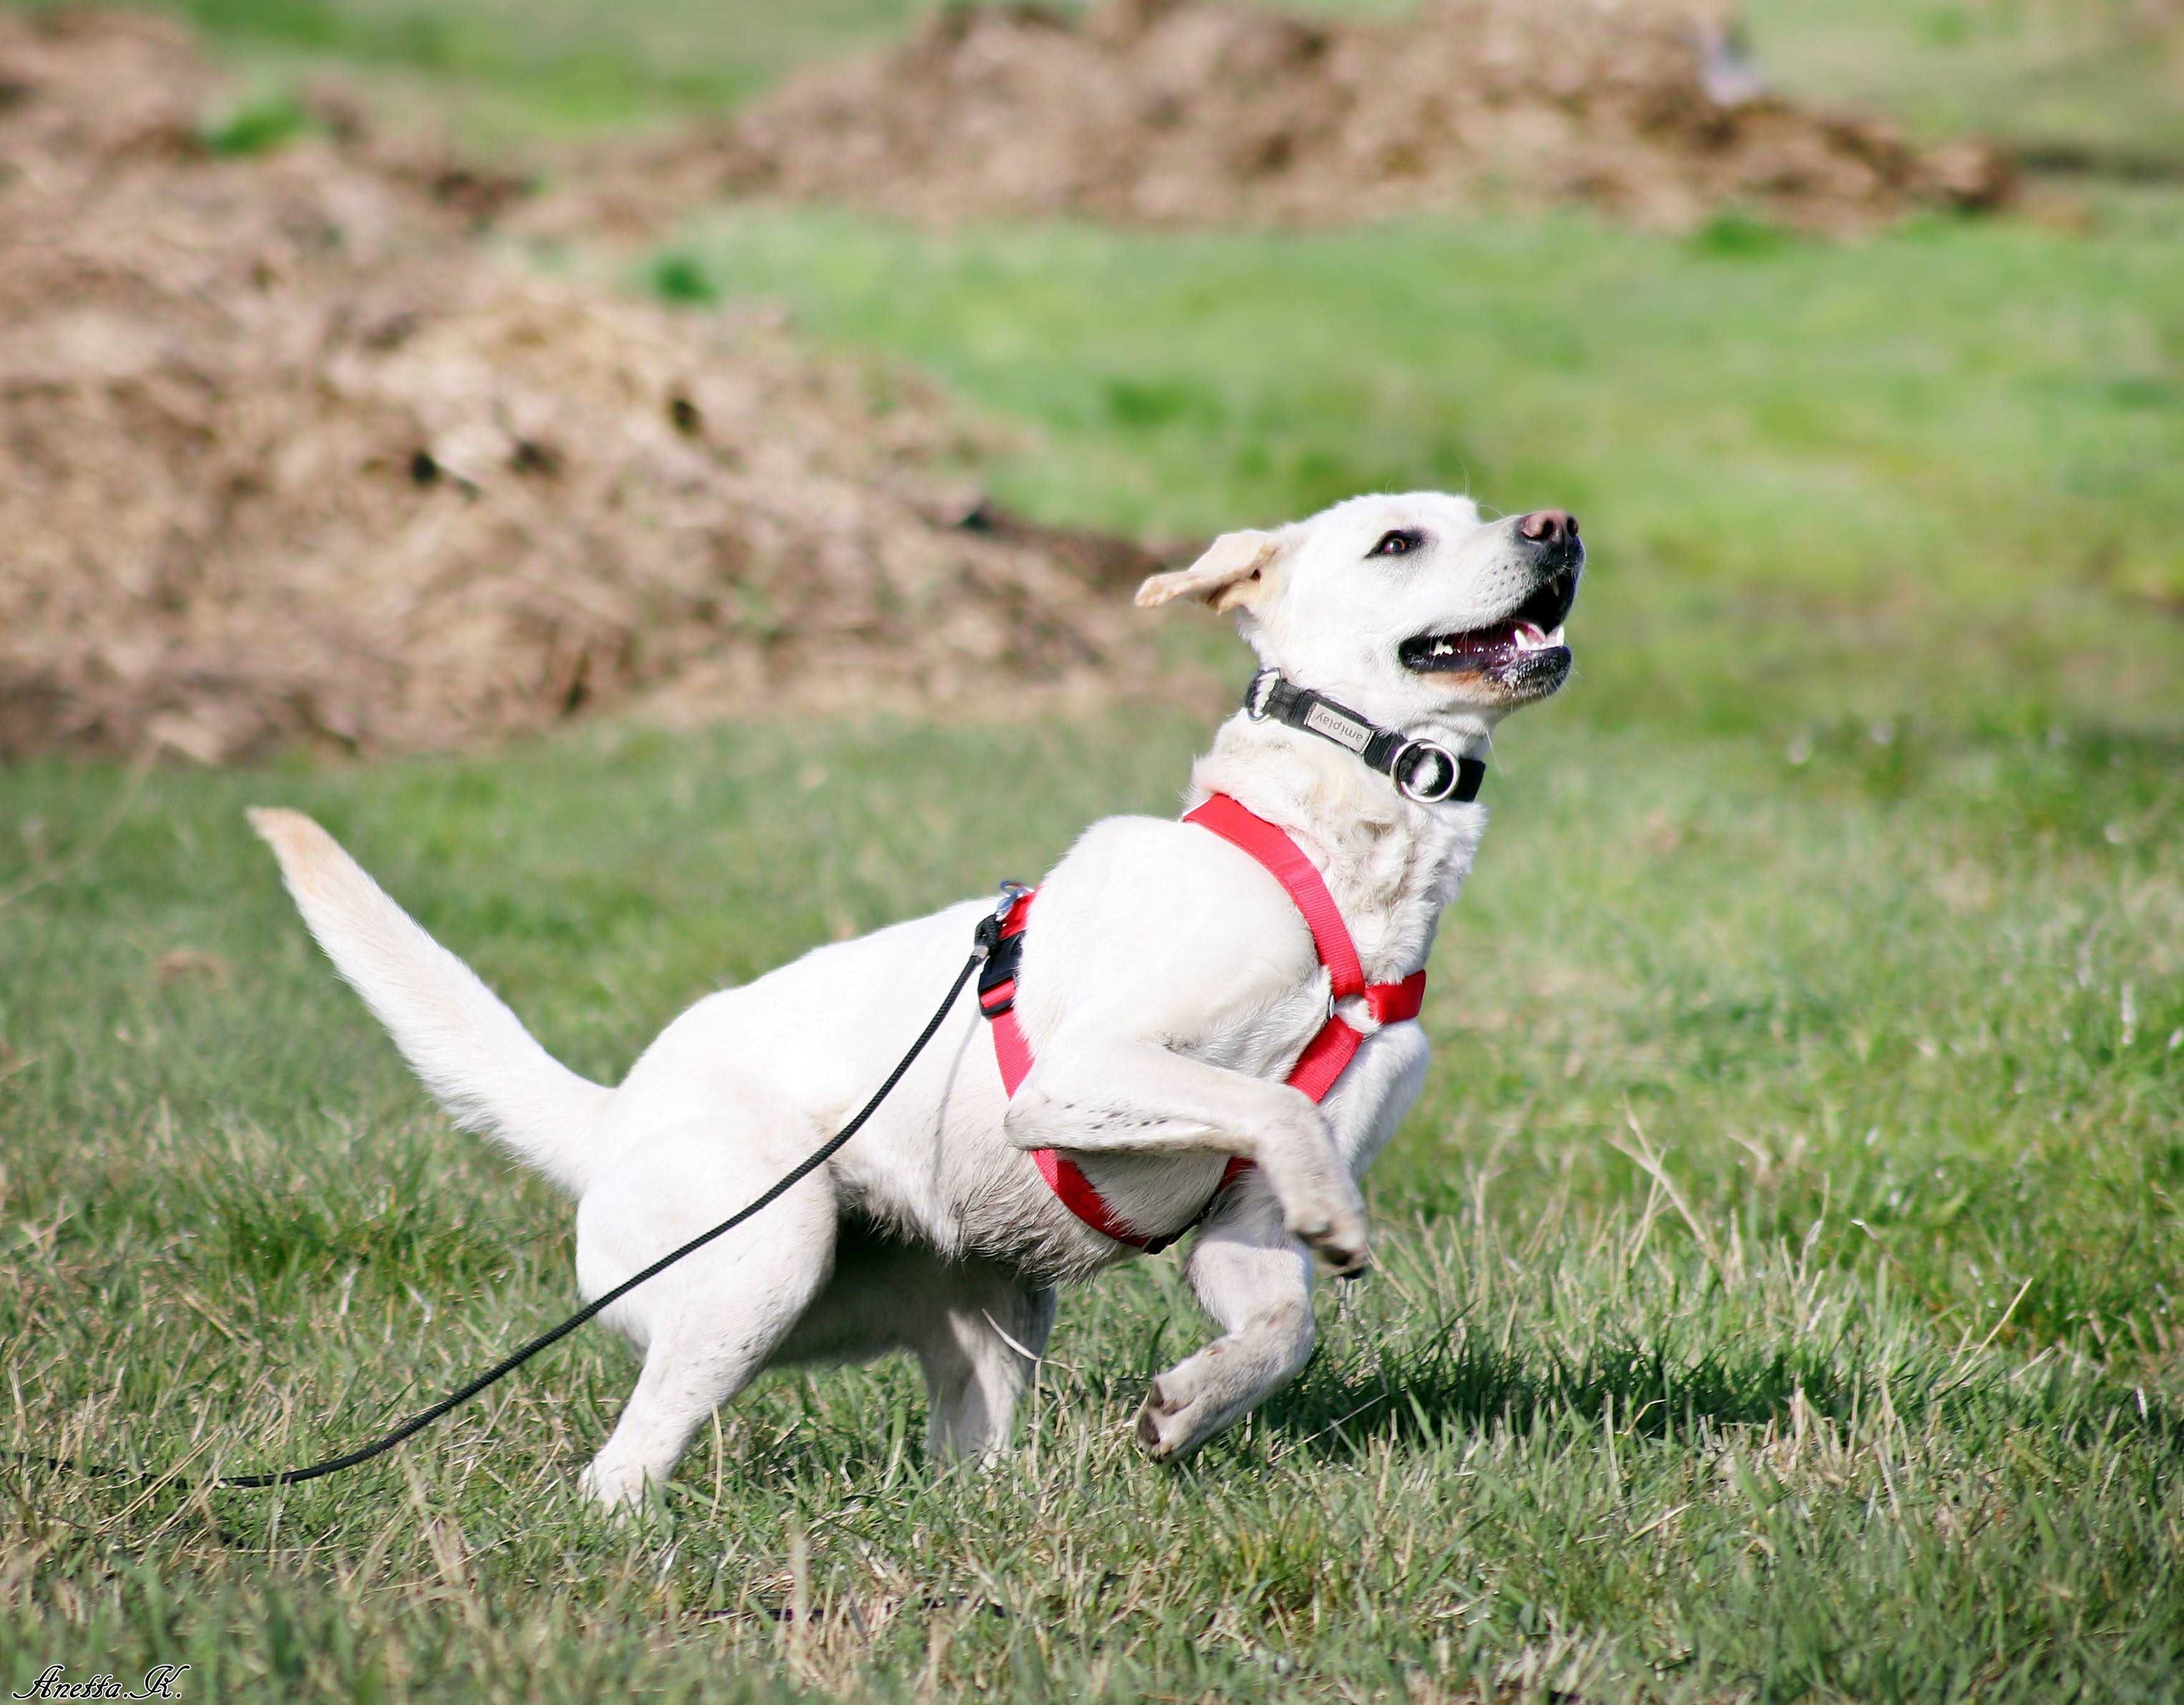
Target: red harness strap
{"points": [[1317, 1068]]}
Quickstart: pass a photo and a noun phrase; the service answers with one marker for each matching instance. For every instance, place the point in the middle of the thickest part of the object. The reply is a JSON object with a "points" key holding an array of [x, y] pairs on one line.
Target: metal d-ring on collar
{"points": [[1424, 771]]}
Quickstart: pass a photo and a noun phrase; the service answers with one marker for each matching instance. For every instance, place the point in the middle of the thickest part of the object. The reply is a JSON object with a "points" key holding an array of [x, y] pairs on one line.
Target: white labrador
{"points": [[1167, 984]]}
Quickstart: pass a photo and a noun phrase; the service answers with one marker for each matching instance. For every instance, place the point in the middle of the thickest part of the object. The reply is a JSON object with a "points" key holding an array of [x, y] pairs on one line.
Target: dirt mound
{"points": [[290, 457], [1174, 112]]}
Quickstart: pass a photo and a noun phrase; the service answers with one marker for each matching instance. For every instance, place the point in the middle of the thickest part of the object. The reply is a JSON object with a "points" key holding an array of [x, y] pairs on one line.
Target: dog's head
{"points": [[1409, 609]]}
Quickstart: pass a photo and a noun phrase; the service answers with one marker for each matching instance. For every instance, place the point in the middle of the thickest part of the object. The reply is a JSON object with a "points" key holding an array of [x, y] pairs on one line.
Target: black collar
{"points": [[1424, 771]]}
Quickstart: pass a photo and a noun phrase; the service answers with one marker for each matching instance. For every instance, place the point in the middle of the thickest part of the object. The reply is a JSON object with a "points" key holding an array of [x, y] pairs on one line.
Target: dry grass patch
{"points": [[294, 458]]}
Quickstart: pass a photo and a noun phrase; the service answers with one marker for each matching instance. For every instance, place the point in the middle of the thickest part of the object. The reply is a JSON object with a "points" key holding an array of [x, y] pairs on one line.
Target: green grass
{"points": [[2085, 77], [1776, 1288], [2092, 79], [1872, 1395], [255, 126], [546, 64], [550, 63], [1935, 472]]}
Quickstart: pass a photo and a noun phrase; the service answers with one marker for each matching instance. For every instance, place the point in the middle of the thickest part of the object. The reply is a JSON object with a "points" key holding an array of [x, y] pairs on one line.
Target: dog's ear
{"points": [[1229, 575]]}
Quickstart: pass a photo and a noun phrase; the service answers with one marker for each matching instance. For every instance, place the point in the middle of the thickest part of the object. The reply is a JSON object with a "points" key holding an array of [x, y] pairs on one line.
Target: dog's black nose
{"points": [[1551, 527]]}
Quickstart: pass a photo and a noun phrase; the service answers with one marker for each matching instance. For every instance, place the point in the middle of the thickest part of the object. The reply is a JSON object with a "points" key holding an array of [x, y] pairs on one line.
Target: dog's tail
{"points": [[487, 1071]]}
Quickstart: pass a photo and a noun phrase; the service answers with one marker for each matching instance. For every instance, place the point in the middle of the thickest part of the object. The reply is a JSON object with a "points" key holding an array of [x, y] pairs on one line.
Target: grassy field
{"points": [[1776, 1290], [2080, 78], [1933, 474]]}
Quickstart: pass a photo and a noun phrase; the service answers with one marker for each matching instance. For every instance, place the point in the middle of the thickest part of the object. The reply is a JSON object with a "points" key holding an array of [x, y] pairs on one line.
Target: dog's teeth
{"points": [[1556, 638], [1527, 637]]}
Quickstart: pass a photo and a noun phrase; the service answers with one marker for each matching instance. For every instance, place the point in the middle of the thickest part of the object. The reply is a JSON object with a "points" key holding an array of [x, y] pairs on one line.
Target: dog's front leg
{"points": [[1251, 1276], [1096, 1094]]}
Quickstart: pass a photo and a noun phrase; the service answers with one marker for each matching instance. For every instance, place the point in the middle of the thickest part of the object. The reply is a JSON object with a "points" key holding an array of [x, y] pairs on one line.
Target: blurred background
{"points": [[1850, 329], [663, 480]]}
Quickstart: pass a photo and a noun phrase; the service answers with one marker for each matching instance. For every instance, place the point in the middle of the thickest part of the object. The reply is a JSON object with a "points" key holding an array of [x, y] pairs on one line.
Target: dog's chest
{"points": [[1392, 886]]}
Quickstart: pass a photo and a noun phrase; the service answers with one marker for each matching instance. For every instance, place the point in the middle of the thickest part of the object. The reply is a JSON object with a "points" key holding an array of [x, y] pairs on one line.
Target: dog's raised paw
{"points": [[1339, 1240]]}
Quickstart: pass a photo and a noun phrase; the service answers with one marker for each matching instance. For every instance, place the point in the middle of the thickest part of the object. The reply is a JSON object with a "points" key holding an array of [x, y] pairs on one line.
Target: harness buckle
{"points": [[997, 977], [1418, 753]]}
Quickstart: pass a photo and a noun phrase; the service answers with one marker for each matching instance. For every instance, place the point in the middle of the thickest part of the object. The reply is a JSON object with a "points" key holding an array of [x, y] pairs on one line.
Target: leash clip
{"points": [[988, 932]]}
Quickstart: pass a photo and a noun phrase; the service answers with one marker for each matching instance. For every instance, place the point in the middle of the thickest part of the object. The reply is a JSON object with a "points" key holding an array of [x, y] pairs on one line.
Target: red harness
{"points": [[1317, 1068]]}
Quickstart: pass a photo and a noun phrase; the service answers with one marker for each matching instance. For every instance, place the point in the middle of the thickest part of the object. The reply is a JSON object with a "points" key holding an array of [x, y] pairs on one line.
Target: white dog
{"points": [[1168, 985]]}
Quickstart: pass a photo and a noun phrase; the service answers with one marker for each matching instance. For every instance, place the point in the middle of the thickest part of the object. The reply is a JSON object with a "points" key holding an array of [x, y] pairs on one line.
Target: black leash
{"points": [[417, 1423]]}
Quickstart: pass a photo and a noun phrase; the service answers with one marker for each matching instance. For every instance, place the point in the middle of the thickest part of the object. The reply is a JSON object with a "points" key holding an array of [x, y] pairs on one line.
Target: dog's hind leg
{"points": [[1255, 1279], [977, 1328], [711, 1322], [979, 1347]]}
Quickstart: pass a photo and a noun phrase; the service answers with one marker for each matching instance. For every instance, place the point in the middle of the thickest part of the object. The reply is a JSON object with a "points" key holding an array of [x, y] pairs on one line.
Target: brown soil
{"points": [[289, 457], [1181, 112]]}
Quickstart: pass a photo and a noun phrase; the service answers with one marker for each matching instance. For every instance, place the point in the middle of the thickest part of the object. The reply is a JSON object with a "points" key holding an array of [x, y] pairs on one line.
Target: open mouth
{"points": [[1524, 646]]}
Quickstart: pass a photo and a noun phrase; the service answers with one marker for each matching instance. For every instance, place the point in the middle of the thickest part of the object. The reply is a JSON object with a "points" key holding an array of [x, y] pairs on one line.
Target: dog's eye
{"points": [[1401, 542]]}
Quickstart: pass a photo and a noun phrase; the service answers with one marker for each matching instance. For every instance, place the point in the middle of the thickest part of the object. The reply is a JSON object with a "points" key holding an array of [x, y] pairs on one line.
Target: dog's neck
{"points": [[1392, 866]]}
